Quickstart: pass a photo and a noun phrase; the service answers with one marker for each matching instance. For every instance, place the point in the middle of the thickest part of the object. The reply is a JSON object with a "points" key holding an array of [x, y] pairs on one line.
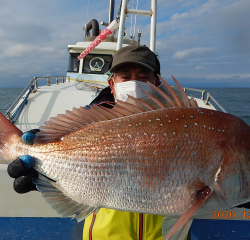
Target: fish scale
{"points": [[121, 170]]}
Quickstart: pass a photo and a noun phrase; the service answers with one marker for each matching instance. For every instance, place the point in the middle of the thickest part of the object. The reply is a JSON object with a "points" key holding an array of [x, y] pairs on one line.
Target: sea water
{"points": [[235, 101], [7, 97]]}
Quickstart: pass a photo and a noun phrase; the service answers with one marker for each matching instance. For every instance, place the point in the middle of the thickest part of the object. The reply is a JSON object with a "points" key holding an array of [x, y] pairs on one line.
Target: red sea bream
{"points": [[163, 156]]}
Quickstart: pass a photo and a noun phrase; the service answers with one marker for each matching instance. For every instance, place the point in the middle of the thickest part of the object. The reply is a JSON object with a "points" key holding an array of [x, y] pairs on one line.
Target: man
{"points": [[130, 69]]}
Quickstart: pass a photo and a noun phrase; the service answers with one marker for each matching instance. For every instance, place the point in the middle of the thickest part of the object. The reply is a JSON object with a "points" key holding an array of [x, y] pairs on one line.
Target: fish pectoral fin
{"points": [[169, 221], [201, 198], [57, 200]]}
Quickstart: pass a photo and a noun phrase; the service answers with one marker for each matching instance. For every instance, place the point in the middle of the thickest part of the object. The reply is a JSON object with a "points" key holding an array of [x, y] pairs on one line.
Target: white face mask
{"points": [[130, 88]]}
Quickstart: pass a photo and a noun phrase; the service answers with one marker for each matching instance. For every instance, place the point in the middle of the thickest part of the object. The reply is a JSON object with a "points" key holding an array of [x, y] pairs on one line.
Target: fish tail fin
{"points": [[7, 131]]}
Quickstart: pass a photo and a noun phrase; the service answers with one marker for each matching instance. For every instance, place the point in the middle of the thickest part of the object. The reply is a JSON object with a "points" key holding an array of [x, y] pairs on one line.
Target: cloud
{"points": [[192, 53], [26, 32], [230, 27], [18, 50], [22, 50], [199, 10], [203, 40], [198, 68]]}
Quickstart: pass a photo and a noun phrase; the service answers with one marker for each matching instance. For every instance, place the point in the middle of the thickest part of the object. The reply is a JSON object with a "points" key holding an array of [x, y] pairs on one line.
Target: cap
{"points": [[135, 54]]}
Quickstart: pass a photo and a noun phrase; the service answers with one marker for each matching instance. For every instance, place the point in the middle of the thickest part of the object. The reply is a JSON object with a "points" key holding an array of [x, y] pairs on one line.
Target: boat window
{"points": [[96, 63], [73, 62]]}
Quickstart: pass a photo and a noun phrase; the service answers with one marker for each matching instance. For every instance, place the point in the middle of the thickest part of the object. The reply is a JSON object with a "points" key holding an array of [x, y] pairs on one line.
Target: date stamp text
{"points": [[229, 215]]}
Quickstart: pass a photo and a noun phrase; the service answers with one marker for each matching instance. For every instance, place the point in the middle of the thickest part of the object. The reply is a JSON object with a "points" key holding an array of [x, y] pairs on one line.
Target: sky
{"points": [[202, 43]]}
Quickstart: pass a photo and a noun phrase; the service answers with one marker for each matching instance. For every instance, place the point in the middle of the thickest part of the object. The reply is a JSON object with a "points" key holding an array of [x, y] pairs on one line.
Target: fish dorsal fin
{"points": [[157, 98], [63, 205]]}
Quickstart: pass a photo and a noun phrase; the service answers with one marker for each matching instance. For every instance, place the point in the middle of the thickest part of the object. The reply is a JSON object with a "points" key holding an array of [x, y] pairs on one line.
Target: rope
{"points": [[135, 17], [19, 109], [87, 13], [131, 20]]}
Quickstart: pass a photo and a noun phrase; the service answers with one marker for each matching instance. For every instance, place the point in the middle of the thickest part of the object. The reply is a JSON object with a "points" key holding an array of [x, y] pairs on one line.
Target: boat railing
{"points": [[206, 97], [15, 109], [48, 79]]}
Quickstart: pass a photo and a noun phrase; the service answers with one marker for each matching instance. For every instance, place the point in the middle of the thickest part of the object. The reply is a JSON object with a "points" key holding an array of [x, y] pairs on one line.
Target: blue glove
{"points": [[21, 169], [28, 138], [27, 161]]}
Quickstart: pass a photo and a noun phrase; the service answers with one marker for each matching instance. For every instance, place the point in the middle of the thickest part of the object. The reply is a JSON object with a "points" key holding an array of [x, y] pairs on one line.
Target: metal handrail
{"points": [[34, 83], [203, 92], [210, 96], [48, 79], [7, 114]]}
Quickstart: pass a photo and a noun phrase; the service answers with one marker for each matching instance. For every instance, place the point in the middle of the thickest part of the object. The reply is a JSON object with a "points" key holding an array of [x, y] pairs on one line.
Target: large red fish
{"points": [[163, 155]]}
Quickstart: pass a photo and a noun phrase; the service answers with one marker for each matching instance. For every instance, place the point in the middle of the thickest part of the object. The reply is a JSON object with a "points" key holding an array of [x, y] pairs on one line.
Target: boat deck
{"points": [[48, 101]]}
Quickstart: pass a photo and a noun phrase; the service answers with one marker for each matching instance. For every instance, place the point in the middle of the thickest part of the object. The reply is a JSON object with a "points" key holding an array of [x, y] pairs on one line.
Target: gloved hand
{"points": [[21, 169]]}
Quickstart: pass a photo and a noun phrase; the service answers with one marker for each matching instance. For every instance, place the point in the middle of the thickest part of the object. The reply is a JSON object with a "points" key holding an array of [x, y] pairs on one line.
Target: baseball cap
{"points": [[141, 55]]}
